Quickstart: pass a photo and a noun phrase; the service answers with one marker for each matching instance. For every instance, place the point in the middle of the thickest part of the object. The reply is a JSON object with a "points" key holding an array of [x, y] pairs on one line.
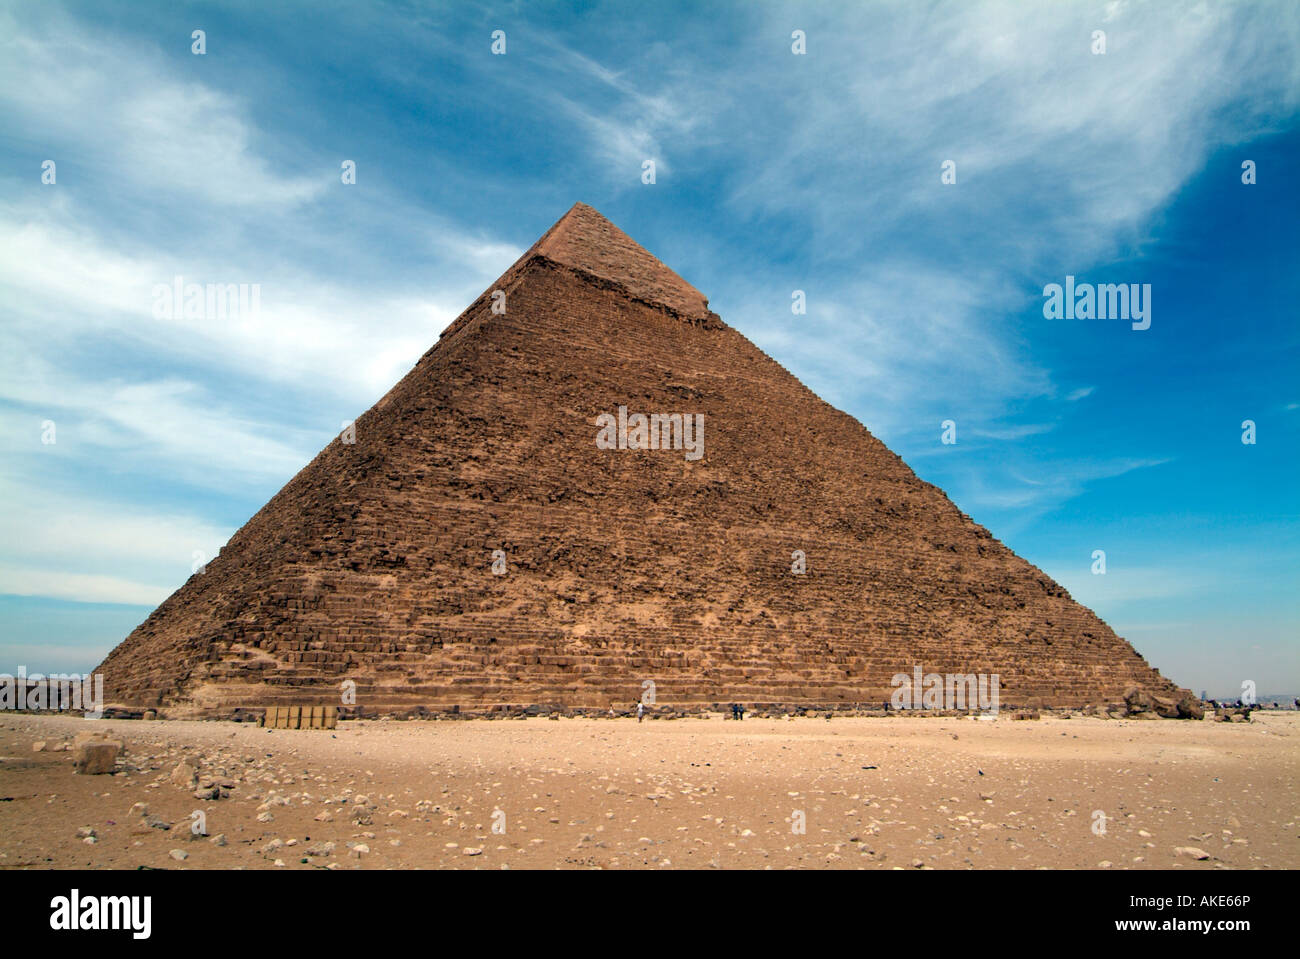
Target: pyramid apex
{"points": [[584, 239]]}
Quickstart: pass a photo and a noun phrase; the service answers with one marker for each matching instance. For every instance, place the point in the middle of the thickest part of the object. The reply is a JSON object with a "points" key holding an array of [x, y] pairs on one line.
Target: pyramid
{"points": [[477, 544]]}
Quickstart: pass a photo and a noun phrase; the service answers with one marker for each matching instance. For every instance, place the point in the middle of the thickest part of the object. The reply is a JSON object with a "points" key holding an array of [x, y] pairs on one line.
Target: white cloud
{"points": [[134, 396], [78, 547], [172, 423], [1056, 482], [1064, 162], [149, 126], [1118, 586], [17, 580], [899, 338], [66, 283], [1016, 432], [630, 122]]}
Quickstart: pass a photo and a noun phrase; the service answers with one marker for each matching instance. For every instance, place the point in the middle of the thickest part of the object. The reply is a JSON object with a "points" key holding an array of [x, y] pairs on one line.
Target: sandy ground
{"points": [[691, 793]]}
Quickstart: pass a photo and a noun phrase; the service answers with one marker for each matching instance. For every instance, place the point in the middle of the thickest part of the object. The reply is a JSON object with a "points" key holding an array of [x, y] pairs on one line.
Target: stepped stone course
{"points": [[374, 563]]}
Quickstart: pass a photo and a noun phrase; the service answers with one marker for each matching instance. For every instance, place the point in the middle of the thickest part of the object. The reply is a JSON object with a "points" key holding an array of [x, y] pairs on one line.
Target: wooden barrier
{"points": [[301, 717]]}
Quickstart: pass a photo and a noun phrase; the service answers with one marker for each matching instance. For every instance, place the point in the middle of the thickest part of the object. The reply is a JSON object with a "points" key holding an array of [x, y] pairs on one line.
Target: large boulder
{"points": [[1164, 708], [94, 754], [1140, 704], [1138, 700]]}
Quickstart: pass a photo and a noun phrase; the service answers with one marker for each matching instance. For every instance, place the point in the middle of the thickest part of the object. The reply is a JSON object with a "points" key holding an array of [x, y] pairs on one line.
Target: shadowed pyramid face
{"points": [[499, 529]]}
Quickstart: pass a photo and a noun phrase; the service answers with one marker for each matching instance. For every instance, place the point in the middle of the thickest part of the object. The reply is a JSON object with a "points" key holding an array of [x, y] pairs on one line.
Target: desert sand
{"points": [[906, 792]]}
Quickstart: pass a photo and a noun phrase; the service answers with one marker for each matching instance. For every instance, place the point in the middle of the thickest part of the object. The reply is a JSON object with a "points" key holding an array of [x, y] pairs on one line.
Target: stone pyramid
{"points": [[476, 546]]}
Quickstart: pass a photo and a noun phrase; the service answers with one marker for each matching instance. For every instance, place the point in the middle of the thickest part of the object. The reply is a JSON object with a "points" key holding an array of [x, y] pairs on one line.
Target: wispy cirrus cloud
{"points": [[1038, 488], [134, 396], [99, 550], [154, 129]]}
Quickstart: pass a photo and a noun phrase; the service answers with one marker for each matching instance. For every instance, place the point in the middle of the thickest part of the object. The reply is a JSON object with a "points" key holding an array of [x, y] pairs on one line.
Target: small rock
{"points": [[218, 840], [1191, 852], [472, 851], [185, 776], [38, 746], [180, 855]]}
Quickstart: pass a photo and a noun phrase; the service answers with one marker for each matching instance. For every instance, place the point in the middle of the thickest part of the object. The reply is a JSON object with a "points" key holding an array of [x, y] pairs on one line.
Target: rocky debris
{"points": [[926, 800], [210, 789], [38, 746], [1192, 852], [218, 840], [185, 776], [1141, 704], [1233, 714], [95, 754], [122, 712], [320, 849], [180, 855]]}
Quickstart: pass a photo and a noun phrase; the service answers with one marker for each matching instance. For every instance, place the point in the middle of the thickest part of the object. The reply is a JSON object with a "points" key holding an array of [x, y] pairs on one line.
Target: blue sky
{"points": [[774, 172]]}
